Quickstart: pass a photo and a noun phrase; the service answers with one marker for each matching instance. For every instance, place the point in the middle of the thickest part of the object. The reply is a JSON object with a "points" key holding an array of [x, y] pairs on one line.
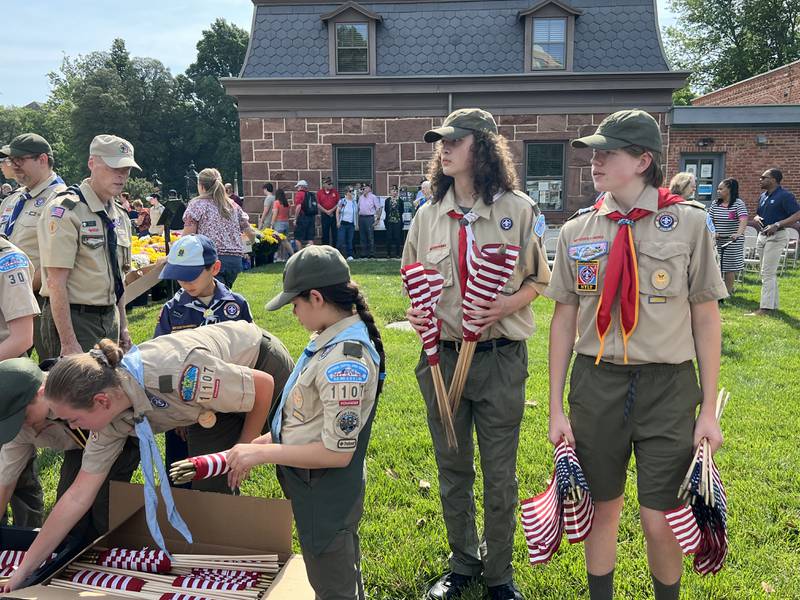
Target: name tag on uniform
{"points": [[587, 272], [587, 252], [656, 299]]}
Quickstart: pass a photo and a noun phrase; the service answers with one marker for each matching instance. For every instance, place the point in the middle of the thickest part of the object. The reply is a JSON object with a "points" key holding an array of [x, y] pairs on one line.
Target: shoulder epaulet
{"points": [[582, 211], [352, 349], [68, 203], [693, 203]]}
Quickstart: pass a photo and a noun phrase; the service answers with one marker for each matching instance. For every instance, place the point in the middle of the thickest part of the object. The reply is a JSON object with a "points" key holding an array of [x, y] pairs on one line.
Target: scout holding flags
{"points": [[476, 210], [635, 277]]}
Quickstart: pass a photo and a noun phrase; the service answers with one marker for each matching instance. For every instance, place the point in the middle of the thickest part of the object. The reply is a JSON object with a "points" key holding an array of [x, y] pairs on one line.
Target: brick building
{"points": [[347, 89], [740, 131]]}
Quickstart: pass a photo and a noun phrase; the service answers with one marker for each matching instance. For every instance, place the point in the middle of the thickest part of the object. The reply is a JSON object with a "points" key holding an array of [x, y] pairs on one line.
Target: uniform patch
{"points": [[14, 261], [656, 299], [506, 223], [207, 382], [354, 402], [588, 251], [346, 444], [39, 202], [710, 224], [52, 227], [353, 349], [540, 226], [347, 371], [57, 212], [299, 416], [156, 401], [347, 421], [165, 384], [17, 278], [325, 351], [93, 241], [660, 279], [665, 221], [297, 398], [189, 382], [231, 310], [587, 275]]}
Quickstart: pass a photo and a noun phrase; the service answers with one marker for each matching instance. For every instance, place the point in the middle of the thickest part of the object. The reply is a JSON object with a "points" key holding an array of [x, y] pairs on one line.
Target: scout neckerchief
{"points": [[465, 239], [111, 236], [622, 273], [357, 332], [218, 300], [21, 204], [132, 363]]}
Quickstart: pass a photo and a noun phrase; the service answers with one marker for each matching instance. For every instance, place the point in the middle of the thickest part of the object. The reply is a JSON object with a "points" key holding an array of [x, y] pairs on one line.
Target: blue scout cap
{"points": [[188, 257]]}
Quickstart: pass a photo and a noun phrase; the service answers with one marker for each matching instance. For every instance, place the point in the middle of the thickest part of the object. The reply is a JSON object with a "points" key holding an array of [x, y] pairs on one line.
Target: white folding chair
{"points": [[751, 260], [793, 247], [750, 230]]}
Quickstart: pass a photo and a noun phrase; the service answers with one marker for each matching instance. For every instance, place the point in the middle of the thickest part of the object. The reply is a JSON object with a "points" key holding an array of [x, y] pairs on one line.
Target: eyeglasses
{"points": [[17, 161]]}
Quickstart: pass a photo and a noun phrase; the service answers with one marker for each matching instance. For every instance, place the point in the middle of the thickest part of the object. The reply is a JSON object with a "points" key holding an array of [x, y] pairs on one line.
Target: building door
{"points": [[708, 169]]}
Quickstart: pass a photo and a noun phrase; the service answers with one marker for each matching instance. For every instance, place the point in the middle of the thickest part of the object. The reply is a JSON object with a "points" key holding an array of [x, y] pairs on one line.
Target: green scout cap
{"points": [[115, 151], [462, 122], [26, 144], [621, 129], [313, 267], [21, 379]]}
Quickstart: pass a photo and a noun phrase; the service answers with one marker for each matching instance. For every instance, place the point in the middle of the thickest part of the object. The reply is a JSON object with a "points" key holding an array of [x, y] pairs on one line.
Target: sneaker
{"points": [[507, 591], [450, 586], [760, 312], [350, 259]]}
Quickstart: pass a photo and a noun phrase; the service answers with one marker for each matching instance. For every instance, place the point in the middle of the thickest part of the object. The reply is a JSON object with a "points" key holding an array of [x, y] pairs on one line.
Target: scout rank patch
{"points": [[506, 223], [540, 226], [589, 251], [231, 310], [39, 202], [587, 275], [665, 221], [347, 371], [660, 279]]}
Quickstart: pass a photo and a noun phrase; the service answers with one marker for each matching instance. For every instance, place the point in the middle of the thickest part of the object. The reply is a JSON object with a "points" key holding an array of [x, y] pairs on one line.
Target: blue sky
{"points": [[167, 30]]}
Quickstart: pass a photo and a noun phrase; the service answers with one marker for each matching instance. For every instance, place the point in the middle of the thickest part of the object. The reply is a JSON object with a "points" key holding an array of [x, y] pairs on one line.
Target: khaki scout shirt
{"points": [[74, 237], [185, 374], [433, 241], [676, 255], [14, 455], [333, 397], [16, 294], [25, 231]]}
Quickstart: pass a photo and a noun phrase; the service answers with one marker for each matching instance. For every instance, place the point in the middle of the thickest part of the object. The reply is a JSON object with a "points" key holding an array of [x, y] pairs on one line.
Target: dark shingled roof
{"points": [[454, 38]]}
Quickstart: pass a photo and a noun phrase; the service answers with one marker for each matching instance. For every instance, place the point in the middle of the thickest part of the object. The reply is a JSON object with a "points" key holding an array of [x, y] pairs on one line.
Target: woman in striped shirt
{"points": [[729, 214]]}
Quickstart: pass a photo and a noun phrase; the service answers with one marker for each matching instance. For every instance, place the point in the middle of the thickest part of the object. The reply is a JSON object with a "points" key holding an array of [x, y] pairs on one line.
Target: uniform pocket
{"points": [[439, 259], [663, 268], [93, 241]]}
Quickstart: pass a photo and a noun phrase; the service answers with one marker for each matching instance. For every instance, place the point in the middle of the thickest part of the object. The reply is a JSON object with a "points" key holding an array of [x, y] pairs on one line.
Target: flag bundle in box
{"points": [[564, 507], [700, 524], [99, 579], [146, 561], [424, 288], [11, 558], [488, 270], [199, 467], [180, 596]]}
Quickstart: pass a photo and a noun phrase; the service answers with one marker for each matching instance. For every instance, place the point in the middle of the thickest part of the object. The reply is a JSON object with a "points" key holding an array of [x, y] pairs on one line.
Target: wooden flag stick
{"points": [[463, 365], [443, 403]]}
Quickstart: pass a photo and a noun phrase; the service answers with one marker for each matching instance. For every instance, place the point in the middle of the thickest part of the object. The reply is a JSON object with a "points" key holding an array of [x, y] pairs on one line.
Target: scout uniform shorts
{"points": [[650, 409]]}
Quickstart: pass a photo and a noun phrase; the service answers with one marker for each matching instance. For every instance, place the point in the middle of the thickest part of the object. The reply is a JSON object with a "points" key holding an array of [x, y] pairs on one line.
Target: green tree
{"points": [[725, 41], [215, 135]]}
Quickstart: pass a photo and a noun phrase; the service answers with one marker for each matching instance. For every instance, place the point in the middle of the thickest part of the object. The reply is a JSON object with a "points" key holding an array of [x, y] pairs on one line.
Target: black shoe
{"points": [[507, 591], [450, 586]]}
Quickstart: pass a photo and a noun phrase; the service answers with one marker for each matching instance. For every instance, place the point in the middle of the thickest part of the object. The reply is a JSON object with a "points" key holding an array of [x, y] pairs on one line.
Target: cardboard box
{"points": [[140, 281], [220, 524]]}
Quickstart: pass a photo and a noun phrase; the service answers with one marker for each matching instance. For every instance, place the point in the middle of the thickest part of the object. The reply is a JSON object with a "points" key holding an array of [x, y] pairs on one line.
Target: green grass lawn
{"points": [[404, 544]]}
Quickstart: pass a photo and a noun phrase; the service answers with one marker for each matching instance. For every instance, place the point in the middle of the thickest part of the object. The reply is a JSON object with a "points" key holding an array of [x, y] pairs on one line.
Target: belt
{"points": [[87, 308], [480, 346]]}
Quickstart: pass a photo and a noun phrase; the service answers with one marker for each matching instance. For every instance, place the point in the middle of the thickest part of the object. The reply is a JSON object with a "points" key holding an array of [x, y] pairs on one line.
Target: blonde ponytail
{"points": [[211, 181]]}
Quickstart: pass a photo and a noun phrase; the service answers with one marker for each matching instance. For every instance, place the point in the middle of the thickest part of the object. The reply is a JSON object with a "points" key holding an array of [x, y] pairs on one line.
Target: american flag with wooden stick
{"points": [[700, 525], [424, 288], [489, 269], [199, 467]]}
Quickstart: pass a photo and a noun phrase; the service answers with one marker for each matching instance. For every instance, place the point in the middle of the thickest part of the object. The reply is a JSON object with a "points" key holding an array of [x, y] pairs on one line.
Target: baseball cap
{"points": [[462, 122], [313, 267], [26, 144], [621, 129], [300, 183], [21, 379], [115, 151], [188, 257]]}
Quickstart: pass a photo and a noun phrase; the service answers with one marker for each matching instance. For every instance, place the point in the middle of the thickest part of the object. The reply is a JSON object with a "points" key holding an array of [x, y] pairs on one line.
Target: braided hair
{"points": [[348, 297]]}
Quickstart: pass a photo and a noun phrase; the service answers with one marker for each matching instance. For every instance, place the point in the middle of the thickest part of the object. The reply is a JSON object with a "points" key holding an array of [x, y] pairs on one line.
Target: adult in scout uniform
{"points": [[27, 423], [636, 277], [31, 158], [85, 243], [471, 151], [321, 428], [18, 308], [204, 300], [171, 381]]}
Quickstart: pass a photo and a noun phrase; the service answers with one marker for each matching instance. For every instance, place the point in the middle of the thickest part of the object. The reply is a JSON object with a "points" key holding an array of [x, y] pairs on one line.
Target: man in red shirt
{"points": [[304, 224], [327, 200]]}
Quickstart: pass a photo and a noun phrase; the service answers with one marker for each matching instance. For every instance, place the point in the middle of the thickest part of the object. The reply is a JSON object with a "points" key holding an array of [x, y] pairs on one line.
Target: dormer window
{"points": [[549, 35], [351, 39]]}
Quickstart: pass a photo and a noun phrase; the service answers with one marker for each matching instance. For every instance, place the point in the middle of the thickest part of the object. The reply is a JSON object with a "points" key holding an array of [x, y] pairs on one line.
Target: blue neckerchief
{"points": [[132, 363], [357, 332], [16, 212]]}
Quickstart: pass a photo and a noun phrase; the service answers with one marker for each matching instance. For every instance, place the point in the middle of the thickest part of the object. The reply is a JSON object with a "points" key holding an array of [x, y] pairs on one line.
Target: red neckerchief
{"points": [[622, 273], [462, 248]]}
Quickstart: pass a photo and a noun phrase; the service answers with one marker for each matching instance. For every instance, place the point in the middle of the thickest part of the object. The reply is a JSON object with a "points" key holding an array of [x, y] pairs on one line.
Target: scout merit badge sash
{"points": [[622, 273], [322, 505], [424, 288], [151, 460], [483, 272]]}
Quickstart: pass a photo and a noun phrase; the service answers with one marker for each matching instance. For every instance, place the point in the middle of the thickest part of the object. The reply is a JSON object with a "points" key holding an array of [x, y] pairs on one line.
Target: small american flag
{"points": [[210, 465], [683, 524], [489, 269], [542, 524], [108, 580], [146, 561], [424, 287]]}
